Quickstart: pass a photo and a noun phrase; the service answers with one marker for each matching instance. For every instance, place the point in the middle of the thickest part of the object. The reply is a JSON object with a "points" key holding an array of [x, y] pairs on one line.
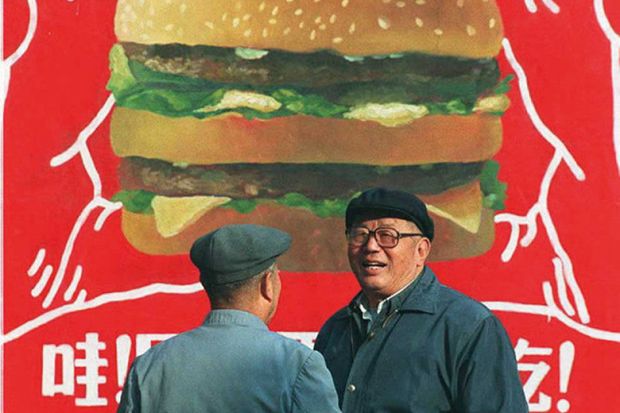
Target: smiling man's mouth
{"points": [[373, 265]]}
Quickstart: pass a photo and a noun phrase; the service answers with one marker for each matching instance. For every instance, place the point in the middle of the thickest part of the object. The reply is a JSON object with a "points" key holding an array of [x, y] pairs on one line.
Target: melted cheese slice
{"points": [[239, 99], [387, 114], [492, 104], [461, 205], [174, 214]]}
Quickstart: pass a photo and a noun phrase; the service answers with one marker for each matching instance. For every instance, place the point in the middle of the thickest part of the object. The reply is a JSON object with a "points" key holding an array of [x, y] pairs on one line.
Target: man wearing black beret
{"points": [[232, 362], [407, 343]]}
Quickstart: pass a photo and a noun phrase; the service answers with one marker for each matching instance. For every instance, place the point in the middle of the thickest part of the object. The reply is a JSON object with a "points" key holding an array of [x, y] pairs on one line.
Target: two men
{"points": [[406, 343], [233, 363]]}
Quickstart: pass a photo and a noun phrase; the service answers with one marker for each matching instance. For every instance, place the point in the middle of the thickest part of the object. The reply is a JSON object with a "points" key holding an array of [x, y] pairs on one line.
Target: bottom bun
{"points": [[318, 243]]}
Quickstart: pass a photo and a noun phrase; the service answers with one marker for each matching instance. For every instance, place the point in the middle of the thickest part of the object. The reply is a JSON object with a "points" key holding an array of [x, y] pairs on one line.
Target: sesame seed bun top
{"points": [[467, 28]]}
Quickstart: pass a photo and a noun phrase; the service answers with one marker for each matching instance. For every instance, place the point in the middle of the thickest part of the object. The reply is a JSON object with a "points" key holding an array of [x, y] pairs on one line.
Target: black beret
{"points": [[237, 252], [392, 203]]}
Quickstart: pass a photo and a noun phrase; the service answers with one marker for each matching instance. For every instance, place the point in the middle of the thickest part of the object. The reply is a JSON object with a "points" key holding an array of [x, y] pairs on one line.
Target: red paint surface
{"points": [[59, 84]]}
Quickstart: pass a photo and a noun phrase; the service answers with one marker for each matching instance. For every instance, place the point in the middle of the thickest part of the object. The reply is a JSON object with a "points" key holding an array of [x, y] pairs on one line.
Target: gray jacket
{"points": [[232, 363]]}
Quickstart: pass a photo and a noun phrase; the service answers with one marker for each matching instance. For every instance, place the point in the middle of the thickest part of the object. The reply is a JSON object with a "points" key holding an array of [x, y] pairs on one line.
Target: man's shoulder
{"points": [[461, 307], [340, 316], [336, 323]]}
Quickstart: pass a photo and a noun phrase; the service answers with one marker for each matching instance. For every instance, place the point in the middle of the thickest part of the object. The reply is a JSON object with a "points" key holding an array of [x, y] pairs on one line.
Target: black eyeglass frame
{"points": [[373, 233]]}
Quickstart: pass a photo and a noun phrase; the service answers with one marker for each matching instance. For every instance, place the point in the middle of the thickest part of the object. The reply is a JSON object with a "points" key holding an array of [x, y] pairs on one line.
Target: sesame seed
{"points": [[384, 23], [274, 11], [313, 35], [419, 22], [236, 21], [344, 3], [337, 40], [169, 27], [247, 33], [400, 4], [471, 30], [246, 17], [352, 28], [322, 27], [272, 21], [224, 17], [265, 32], [332, 19], [317, 20], [316, 1], [301, 25], [387, 1], [420, 2], [182, 8], [438, 32], [261, 6], [289, 1], [144, 36], [210, 25], [286, 31], [460, 3], [492, 23], [298, 12]]}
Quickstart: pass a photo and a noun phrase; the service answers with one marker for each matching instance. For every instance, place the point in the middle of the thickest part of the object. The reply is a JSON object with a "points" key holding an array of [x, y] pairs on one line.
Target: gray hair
{"points": [[229, 293]]}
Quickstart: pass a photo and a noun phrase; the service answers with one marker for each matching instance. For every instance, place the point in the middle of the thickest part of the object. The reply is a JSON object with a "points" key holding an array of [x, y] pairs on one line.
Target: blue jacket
{"points": [[431, 350], [232, 363]]}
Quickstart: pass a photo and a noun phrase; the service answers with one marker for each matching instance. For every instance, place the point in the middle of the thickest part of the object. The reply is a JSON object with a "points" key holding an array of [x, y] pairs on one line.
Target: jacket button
{"points": [[351, 388]]}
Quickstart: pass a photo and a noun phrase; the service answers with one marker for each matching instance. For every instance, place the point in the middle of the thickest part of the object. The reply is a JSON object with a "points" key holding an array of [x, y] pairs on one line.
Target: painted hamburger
{"points": [[277, 112]]}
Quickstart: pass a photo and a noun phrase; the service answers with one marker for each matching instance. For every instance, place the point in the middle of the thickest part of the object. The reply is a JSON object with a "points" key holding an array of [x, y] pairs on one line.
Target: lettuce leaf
{"points": [[139, 201], [493, 189], [138, 87]]}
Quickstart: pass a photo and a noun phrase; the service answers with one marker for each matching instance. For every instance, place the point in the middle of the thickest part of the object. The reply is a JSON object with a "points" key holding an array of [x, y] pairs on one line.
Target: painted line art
{"points": [[614, 42], [524, 228], [532, 7], [563, 265]]}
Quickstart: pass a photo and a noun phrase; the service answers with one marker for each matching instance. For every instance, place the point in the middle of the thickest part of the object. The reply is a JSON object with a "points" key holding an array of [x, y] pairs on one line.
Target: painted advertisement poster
{"points": [[132, 127]]}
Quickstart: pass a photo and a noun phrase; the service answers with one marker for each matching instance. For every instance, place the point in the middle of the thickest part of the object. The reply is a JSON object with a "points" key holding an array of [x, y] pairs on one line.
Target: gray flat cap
{"points": [[237, 252]]}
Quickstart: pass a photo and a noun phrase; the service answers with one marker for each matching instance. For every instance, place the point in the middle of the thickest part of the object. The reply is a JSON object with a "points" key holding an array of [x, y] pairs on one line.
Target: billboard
{"points": [[81, 298]]}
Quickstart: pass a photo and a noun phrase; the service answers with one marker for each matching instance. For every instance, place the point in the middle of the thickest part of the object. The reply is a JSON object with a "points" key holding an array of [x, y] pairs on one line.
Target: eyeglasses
{"points": [[385, 237]]}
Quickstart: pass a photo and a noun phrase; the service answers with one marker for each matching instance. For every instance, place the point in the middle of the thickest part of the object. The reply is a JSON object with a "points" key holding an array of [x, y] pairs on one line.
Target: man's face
{"points": [[383, 271]]}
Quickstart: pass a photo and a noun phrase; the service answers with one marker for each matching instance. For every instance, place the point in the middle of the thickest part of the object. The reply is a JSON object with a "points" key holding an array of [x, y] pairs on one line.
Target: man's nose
{"points": [[372, 244]]}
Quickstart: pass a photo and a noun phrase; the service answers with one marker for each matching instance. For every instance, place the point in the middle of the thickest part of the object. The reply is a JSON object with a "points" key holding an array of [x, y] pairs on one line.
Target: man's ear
{"points": [[266, 287], [423, 248]]}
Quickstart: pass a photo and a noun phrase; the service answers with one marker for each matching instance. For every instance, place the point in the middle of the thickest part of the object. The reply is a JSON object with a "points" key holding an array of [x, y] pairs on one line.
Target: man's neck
{"points": [[375, 299], [258, 311]]}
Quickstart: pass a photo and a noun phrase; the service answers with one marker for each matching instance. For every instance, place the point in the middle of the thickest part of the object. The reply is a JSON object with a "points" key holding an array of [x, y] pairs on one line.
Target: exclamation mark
{"points": [[567, 356], [123, 348]]}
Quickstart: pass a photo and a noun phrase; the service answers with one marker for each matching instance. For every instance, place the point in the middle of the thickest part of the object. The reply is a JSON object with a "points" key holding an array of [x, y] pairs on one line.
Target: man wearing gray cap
{"points": [[407, 343], [232, 362]]}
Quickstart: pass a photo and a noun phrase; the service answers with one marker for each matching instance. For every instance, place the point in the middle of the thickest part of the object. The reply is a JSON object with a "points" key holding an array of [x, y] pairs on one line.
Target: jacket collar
{"points": [[421, 295], [424, 295], [234, 317]]}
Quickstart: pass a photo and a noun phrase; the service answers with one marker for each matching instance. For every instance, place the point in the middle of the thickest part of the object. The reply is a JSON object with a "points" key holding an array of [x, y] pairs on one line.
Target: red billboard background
{"points": [[78, 302]]}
